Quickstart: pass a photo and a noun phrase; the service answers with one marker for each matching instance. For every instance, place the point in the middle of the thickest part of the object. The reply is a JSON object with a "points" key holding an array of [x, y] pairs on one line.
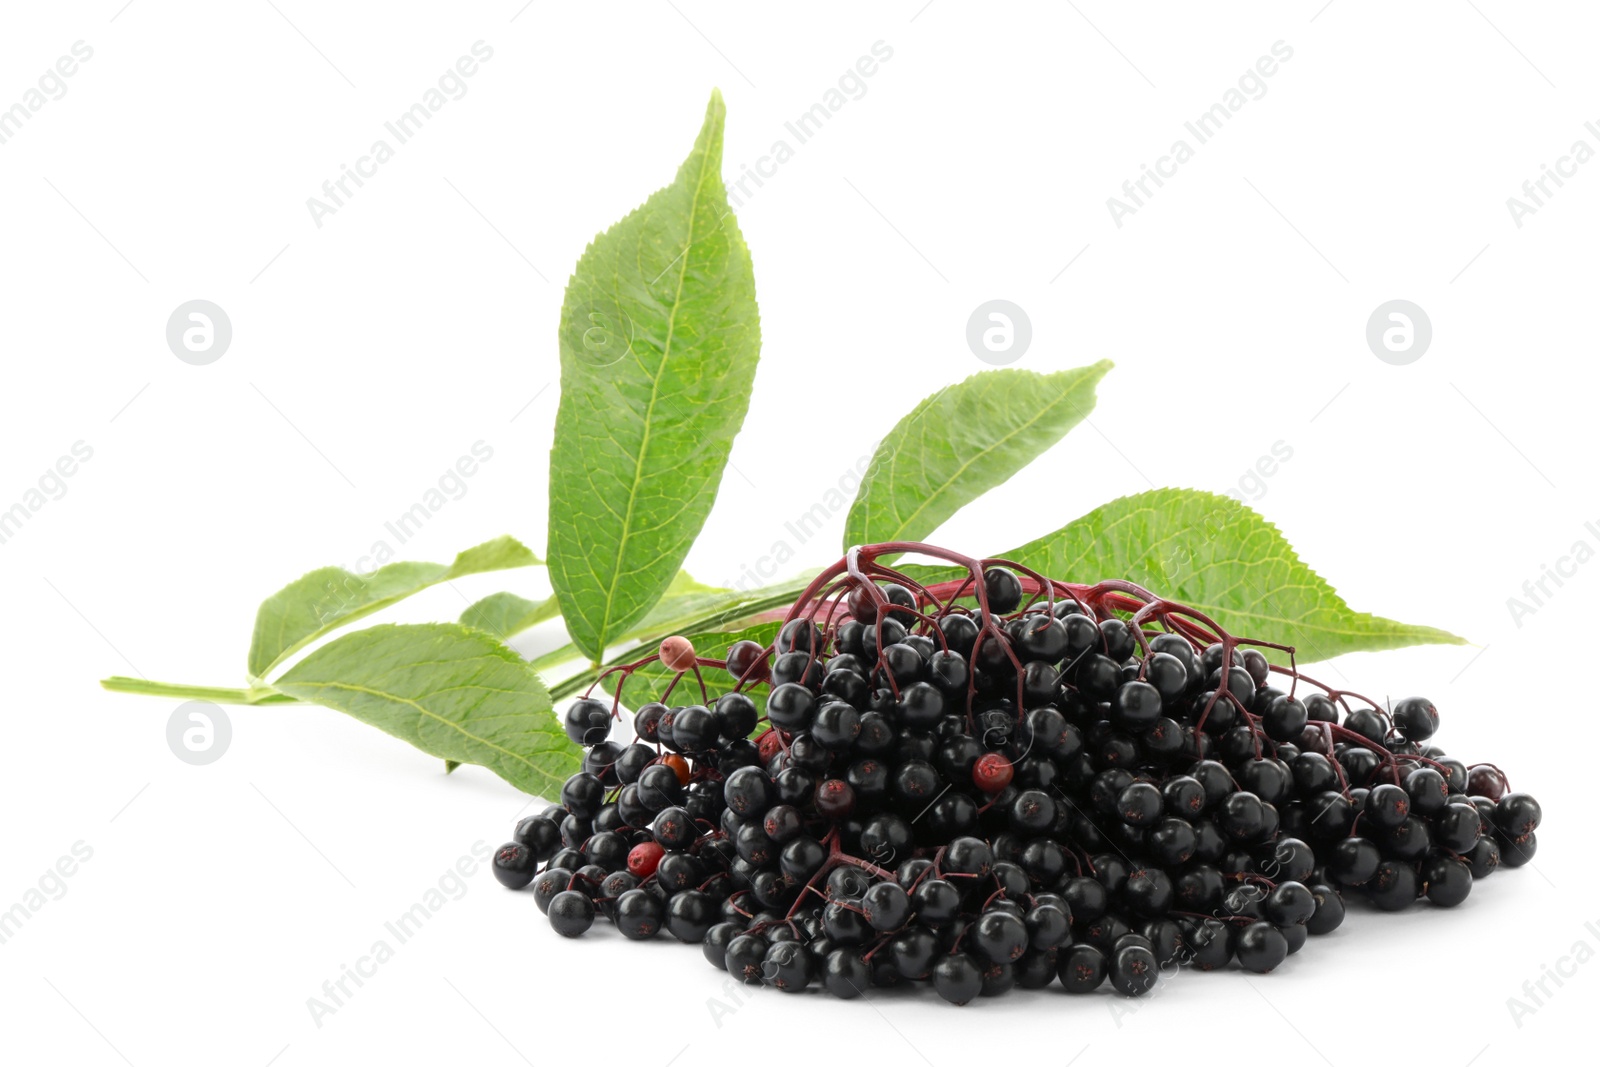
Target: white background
{"points": [[370, 353]]}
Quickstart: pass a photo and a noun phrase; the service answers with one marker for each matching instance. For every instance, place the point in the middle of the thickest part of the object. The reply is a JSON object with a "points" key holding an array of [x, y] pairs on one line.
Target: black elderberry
{"points": [[1081, 968], [837, 725], [788, 967], [1416, 718], [514, 865], [1149, 892], [999, 937], [736, 716], [1330, 910], [1140, 804], [571, 913], [1289, 904], [845, 974], [791, 706], [1003, 590], [639, 915], [798, 635], [1368, 723], [1387, 806], [1117, 639], [989, 798], [678, 871], [1260, 947], [1484, 857], [1394, 885], [1446, 879], [957, 978], [539, 836], [1134, 971], [1242, 816], [1517, 814], [587, 721], [1457, 827], [1284, 718], [1137, 706], [632, 761], [1516, 850], [658, 787], [1098, 676]]}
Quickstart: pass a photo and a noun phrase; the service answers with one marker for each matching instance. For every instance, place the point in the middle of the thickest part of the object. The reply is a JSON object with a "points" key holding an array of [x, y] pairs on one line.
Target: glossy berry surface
{"points": [[1046, 785]]}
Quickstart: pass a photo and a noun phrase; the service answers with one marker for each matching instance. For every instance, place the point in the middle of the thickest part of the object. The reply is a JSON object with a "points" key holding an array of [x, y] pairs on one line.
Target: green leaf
{"points": [[329, 597], [659, 342], [688, 607], [507, 614], [647, 683], [961, 442], [1222, 558], [453, 692], [683, 598]]}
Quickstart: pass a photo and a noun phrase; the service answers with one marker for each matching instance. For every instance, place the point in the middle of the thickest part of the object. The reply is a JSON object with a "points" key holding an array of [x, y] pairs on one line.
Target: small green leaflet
{"points": [[329, 597], [453, 692], [961, 442], [659, 342], [1218, 556], [507, 614], [648, 682]]}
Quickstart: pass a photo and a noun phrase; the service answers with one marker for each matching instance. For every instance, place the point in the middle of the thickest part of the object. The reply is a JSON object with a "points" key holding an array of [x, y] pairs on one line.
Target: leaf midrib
{"points": [[603, 631]]}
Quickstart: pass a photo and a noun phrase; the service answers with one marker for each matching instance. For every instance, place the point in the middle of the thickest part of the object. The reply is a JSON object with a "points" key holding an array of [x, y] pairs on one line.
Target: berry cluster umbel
{"points": [[1003, 781]]}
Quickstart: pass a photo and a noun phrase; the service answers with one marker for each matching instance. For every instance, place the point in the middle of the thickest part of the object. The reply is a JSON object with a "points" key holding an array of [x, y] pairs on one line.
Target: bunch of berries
{"points": [[1003, 780]]}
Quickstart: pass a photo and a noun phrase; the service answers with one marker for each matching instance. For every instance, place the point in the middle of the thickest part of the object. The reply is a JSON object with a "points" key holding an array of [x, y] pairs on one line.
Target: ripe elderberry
{"points": [[986, 792]]}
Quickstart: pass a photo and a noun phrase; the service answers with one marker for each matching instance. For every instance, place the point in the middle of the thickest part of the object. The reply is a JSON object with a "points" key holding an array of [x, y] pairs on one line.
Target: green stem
{"points": [[216, 694], [576, 684], [559, 657], [689, 628], [719, 619]]}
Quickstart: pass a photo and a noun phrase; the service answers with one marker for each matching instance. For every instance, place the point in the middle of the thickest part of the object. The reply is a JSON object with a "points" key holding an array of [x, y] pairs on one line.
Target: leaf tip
{"points": [[716, 116], [1094, 373]]}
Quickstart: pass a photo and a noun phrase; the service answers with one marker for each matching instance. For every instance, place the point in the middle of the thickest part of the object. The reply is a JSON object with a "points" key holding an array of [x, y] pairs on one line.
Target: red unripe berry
{"points": [[643, 857], [1313, 739], [992, 772], [859, 604], [768, 745], [677, 654], [680, 767], [747, 662], [1484, 780]]}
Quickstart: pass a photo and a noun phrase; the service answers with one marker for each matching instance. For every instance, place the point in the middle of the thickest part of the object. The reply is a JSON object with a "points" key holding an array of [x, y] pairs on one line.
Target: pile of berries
{"points": [[1000, 781]]}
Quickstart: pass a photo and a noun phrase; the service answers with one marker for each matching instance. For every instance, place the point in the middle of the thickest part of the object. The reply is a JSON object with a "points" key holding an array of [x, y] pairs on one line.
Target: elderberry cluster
{"points": [[1002, 795]]}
